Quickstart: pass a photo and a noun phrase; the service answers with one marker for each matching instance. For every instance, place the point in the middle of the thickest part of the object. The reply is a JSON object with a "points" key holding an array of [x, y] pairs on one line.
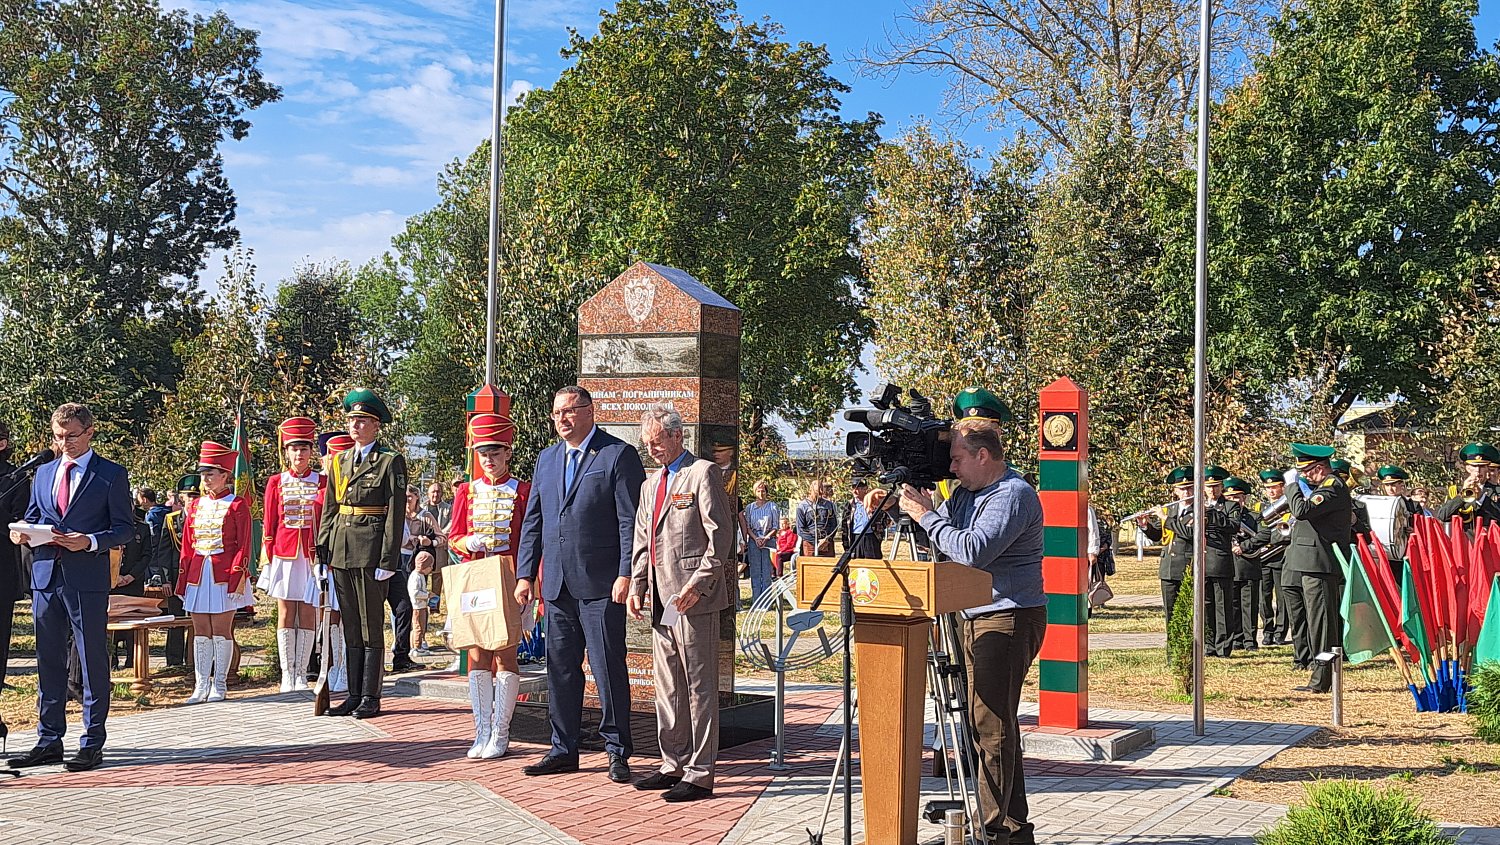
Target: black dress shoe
{"points": [[619, 769], [658, 781], [1270, 639], [369, 708], [88, 758], [404, 666], [686, 792], [41, 755], [347, 708], [552, 764], [1310, 688]]}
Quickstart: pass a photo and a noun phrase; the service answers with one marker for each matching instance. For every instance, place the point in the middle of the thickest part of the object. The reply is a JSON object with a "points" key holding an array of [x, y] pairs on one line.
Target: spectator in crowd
{"points": [[419, 535], [148, 502], [418, 586], [786, 547], [856, 517], [15, 493], [817, 519], [760, 521]]}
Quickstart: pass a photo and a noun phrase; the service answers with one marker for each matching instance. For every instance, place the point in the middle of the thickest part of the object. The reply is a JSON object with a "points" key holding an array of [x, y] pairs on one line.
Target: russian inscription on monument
{"points": [[656, 334]]}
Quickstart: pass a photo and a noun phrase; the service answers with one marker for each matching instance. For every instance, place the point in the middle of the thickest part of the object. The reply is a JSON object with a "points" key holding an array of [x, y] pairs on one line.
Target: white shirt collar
{"points": [[362, 452], [584, 446]]}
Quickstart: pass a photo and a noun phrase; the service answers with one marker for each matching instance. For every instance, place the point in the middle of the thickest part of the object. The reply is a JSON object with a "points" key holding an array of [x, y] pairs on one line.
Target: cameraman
{"points": [[993, 522]]}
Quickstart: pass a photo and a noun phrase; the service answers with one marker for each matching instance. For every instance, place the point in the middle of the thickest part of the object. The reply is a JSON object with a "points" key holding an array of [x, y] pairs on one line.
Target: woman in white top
{"points": [[760, 520]]}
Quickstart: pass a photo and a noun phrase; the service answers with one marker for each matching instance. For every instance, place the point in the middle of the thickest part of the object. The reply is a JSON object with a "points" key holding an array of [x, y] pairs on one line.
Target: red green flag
{"points": [[1366, 634], [1487, 644], [244, 481], [1411, 617]]}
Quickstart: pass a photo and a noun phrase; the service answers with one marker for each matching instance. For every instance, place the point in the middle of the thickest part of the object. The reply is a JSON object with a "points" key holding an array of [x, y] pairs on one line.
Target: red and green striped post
{"points": [[1064, 661]]}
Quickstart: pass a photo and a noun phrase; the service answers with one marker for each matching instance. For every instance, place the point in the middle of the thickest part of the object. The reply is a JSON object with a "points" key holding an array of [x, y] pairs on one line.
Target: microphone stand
{"points": [[840, 575]]}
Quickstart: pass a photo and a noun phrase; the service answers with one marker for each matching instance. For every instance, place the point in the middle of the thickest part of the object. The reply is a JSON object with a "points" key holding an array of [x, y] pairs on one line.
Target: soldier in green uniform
{"points": [[1221, 616], [1246, 571], [1176, 552], [1393, 483], [1478, 498], [364, 516], [1323, 514], [1267, 548]]}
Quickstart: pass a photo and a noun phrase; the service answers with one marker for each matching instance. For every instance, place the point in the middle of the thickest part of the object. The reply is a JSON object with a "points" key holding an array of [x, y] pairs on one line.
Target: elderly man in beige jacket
{"points": [[683, 558]]}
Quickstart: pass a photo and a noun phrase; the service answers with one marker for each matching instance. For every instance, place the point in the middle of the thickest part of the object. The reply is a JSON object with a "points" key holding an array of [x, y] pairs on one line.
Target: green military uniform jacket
{"points": [[1322, 520], [1246, 523], [1485, 506], [1222, 516], [364, 511], [1268, 547], [1178, 554]]}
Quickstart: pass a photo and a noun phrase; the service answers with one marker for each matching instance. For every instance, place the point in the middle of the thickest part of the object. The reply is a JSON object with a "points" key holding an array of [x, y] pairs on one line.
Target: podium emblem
{"points": [[865, 586]]}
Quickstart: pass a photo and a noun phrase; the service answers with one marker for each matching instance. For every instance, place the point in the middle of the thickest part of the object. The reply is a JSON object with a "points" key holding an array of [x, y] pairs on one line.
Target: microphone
{"points": [[42, 457]]}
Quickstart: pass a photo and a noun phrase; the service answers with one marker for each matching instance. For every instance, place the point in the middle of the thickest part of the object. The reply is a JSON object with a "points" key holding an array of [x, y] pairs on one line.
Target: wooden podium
{"points": [[894, 604]]}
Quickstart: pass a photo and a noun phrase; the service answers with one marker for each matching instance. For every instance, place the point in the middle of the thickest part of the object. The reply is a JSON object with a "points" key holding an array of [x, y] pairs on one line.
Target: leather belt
{"points": [[360, 510]]}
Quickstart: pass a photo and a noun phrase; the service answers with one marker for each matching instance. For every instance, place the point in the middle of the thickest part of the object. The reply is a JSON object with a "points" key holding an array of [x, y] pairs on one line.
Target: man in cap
{"points": [[1246, 571], [993, 522], [1393, 482], [856, 518], [1478, 500], [1323, 514], [1266, 548], [1176, 552], [359, 537]]}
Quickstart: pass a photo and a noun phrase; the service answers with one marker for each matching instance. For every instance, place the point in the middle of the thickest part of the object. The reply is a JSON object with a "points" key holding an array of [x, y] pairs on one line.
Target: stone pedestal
{"points": [[656, 334]]}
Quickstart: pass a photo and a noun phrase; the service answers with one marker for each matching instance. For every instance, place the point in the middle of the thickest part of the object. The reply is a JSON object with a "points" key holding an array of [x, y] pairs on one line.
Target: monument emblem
{"points": [[640, 295]]}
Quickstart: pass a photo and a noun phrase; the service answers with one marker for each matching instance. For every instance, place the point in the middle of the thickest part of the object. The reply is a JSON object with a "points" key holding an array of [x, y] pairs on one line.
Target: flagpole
{"points": [[497, 105], [1200, 363]]}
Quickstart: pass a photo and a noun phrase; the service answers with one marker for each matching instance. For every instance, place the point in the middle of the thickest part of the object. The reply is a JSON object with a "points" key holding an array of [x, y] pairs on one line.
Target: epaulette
{"points": [[1329, 482]]}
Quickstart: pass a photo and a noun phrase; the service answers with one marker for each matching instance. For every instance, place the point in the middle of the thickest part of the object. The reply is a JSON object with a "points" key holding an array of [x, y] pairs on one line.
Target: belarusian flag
{"points": [[244, 486]]}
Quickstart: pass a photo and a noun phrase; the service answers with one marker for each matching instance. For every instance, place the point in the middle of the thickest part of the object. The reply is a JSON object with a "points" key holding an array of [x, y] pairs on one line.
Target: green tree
{"points": [[1353, 202], [683, 135], [309, 331], [111, 116]]}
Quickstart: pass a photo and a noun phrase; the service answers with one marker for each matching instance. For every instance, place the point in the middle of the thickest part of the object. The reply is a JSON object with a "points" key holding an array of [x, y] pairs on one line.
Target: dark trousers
{"points": [[999, 649], [867, 547], [1249, 603], [1169, 591], [7, 621], [1325, 629], [398, 598], [1296, 618], [1221, 617], [1272, 603], [362, 608], [58, 611], [597, 625]]}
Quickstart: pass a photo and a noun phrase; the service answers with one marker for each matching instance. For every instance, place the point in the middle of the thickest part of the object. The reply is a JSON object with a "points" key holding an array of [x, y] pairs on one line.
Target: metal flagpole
{"points": [[1200, 364], [497, 103]]}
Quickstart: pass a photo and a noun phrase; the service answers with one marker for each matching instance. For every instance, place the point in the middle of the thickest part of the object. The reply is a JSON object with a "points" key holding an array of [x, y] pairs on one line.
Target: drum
{"points": [[1390, 522]]}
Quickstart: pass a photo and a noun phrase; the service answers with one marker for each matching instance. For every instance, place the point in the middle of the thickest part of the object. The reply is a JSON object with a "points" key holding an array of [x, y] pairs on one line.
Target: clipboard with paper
{"points": [[481, 603]]}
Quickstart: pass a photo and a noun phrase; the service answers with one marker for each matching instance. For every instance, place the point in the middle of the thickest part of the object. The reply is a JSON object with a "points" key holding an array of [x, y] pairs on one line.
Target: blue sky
{"points": [[380, 94]]}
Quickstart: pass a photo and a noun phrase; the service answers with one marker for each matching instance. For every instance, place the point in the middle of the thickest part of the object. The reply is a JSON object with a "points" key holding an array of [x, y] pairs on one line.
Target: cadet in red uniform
{"points": [[338, 673], [487, 512], [215, 579], [294, 505]]}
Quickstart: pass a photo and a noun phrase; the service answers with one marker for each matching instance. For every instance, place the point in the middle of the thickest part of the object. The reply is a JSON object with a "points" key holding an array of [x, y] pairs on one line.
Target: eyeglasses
{"points": [[569, 412], [70, 438]]}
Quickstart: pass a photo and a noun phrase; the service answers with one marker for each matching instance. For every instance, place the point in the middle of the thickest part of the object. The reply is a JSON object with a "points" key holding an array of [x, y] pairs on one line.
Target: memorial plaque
{"points": [[656, 334]]}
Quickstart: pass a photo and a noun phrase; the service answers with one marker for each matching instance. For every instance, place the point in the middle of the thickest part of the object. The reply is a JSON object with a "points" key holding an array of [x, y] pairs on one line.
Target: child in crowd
{"points": [[419, 586], [786, 546]]}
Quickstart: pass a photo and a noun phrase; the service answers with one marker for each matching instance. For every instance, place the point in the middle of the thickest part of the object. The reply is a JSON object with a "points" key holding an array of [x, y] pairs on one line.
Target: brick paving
{"points": [[262, 770]]}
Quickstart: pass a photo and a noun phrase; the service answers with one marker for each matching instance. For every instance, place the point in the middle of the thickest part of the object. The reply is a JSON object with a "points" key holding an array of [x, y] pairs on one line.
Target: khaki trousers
{"points": [[1000, 648], [686, 667]]}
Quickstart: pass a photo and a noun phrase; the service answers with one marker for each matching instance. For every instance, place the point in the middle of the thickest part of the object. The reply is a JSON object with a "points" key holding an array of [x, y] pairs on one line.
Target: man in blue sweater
{"points": [[993, 521]]}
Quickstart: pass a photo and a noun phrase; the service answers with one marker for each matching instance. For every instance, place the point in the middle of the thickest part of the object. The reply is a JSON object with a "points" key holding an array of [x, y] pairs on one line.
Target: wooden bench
{"points": [[140, 631]]}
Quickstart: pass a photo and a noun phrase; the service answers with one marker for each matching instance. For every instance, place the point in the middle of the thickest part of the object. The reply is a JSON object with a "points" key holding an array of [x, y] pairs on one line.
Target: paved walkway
{"points": [[263, 770]]}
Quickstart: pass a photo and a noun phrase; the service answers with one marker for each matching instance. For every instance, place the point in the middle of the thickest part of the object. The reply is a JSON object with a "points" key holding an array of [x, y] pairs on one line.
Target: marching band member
{"points": [[1177, 553], [1393, 483], [338, 674], [487, 512], [293, 506], [1479, 498], [1323, 516], [1268, 548], [1246, 570], [215, 579], [1346, 473]]}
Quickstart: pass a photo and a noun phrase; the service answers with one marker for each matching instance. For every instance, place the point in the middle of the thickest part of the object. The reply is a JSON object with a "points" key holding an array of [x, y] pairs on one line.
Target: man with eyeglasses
{"points": [[578, 532], [86, 500]]}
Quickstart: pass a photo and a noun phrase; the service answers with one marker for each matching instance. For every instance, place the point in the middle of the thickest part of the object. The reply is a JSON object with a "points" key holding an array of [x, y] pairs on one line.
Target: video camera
{"points": [[904, 445]]}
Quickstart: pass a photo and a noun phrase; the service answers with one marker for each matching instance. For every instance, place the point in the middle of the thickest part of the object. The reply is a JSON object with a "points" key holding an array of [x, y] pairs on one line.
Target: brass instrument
{"points": [[1160, 511]]}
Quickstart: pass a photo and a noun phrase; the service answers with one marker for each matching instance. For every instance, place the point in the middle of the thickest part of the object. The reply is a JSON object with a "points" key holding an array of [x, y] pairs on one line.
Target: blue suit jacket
{"points": [[100, 506], [582, 538]]}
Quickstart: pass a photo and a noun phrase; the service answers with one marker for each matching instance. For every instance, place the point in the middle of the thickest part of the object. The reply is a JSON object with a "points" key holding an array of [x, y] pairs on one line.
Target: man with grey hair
{"points": [[684, 554]]}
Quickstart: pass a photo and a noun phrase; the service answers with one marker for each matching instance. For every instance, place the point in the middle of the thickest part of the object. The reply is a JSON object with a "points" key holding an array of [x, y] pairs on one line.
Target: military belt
{"points": [[359, 510]]}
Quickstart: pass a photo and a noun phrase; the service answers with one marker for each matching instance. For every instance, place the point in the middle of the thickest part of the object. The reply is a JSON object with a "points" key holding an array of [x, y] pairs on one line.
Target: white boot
{"points": [[203, 669], [223, 655], [482, 700], [286, 650], [338, 670], [507, 687], [305, 639]]}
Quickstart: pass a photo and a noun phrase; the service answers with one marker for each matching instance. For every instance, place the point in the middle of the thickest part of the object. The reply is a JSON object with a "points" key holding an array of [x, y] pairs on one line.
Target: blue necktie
{"points": [[570, 472]]}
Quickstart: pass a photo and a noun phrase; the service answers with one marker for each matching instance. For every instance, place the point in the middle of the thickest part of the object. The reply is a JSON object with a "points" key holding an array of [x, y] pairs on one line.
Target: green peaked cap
{"points": [[1391, 472], [1479, 454], [1269, 476], [1304, 453], [190, 483], [1213, 473], [976, 403], [362, 402], [1233, 484], [1180, 475], [1339, 466]]}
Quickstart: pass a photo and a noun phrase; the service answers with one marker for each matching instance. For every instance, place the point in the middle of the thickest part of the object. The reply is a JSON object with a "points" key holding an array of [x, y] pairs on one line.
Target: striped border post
{"points": [[1064, 451]]}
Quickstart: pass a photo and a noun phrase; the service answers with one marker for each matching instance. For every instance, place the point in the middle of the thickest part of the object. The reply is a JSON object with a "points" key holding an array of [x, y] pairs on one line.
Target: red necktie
{"points": [[64, 490], [661, 498]]}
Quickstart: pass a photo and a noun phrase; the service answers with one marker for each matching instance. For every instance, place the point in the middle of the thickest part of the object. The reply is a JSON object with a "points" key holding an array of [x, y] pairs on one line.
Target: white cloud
{"points": [[235, 157], [280, 249], [383, 176], [445, 118]]}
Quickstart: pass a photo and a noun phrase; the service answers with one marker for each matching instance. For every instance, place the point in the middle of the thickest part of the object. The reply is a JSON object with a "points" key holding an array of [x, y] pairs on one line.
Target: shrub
{"points": [[1484, 701], [1180, 636], [1346, 812]]}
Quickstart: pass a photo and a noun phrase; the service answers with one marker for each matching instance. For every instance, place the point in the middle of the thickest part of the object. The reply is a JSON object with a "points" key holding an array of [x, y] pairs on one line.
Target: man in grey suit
{"points": [[577, 532], [684, 552]]}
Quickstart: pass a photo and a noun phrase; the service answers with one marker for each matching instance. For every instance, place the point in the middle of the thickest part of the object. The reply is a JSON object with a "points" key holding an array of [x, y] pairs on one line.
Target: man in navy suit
{"points": [[86, 500], [579, 531]]}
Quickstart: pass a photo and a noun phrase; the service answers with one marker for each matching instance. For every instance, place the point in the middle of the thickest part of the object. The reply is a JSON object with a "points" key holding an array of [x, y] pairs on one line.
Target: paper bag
{"points": [[481, 603]]}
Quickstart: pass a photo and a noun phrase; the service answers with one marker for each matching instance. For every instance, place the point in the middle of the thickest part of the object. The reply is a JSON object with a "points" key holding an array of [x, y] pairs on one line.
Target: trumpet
{"points": [[1274, 509], [1160, 511]]}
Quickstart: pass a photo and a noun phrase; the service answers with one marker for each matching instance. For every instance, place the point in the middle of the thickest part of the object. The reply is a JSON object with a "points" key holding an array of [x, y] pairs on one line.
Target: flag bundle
{"points": [[1429, 611]]}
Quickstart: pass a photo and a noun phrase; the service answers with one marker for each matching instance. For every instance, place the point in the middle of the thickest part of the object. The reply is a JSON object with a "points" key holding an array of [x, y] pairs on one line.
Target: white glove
{"points": [[1291, 476], [383, 574], [475, 543]]}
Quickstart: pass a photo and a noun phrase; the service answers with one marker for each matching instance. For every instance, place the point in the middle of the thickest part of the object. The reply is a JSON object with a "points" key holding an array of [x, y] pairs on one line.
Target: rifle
{"points": [[320, 687]]}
